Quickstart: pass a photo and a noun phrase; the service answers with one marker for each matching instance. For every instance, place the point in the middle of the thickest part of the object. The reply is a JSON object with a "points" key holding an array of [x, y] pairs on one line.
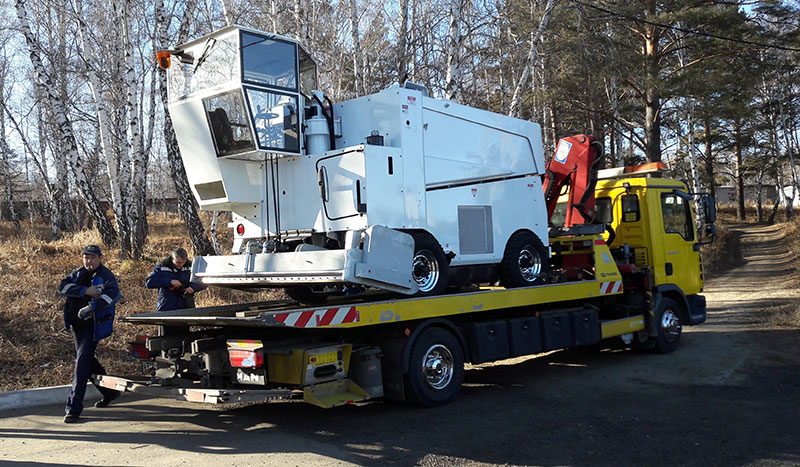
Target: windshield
{"points": [[269, 62], [204, 66]]}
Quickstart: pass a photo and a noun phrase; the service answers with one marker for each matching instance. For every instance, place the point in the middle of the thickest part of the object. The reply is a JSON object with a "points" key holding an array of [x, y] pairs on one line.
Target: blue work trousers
{"points": [[85, 365]]}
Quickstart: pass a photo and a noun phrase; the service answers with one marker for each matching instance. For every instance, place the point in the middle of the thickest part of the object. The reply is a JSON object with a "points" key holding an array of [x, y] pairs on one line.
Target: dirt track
{"points": [[729, 396]]}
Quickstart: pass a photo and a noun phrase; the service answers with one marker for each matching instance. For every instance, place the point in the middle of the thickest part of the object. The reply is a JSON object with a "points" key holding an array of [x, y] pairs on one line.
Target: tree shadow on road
{"points": [[702, 405]]}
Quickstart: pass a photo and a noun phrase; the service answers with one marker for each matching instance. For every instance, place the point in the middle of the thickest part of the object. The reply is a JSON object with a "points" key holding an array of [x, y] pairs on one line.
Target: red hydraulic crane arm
{"points": [[574, 167]]}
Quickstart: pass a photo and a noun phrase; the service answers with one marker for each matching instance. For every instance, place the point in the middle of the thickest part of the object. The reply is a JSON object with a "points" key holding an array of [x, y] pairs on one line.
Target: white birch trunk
{"points": [[186, 203], [453, 76], [298, 26], [213, 233], [137, 215], [402, 44], [118, 199], [64, 129], [5, 160], [276, 21], [533, 52], [357, 58], [227, 11]]}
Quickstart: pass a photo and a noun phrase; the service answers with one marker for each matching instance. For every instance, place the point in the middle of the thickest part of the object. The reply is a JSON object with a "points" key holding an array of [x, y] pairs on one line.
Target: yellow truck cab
{"points": [[655, 219]]}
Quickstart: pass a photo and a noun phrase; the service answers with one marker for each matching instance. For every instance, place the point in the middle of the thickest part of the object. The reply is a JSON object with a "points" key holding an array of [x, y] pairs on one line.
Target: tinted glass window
{"points": [[604, 212], [308, 73], [559, 215], [229, 124], [677, 216], [630, 208], [274, 119], [269, 62], [203, 66]]}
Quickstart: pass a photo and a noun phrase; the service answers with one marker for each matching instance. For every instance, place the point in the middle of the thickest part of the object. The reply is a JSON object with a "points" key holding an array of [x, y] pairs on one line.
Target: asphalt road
{"points": [[730, 395]]}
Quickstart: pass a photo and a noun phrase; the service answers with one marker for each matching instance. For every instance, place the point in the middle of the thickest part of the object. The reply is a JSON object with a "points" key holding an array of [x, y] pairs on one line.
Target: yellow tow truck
{"points": [[633, 274]]}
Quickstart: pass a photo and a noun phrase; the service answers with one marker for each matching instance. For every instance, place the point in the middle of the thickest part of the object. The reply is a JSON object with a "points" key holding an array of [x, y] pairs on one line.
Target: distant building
{"points": [[787, 193], [727, 194]]}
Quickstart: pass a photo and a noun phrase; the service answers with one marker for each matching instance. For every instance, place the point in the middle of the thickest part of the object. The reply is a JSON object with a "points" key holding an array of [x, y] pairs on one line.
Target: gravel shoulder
{"points": [[729, 396]]}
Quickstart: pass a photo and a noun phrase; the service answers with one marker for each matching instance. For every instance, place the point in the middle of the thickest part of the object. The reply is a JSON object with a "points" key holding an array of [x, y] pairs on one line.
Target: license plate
{"points": [[149, 367], [251, 376]]}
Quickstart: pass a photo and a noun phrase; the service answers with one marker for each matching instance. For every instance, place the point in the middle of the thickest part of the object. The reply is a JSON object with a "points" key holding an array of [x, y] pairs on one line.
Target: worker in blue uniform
{"points": [[172, 279], [92, 293]]}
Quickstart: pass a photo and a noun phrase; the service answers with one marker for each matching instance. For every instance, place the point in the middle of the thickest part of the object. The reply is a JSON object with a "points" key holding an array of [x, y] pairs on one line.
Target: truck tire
{"points": [[668, 326], [429, 267], [435, 368], [525, 261]]}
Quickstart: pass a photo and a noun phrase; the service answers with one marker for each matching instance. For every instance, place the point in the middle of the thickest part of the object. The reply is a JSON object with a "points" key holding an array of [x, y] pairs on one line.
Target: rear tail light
{"points": [[246, 353], [241, 358], [138, 348]]}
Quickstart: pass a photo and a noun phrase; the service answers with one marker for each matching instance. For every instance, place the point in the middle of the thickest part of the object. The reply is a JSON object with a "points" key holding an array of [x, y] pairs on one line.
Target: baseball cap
{"points": [[92, 250]]}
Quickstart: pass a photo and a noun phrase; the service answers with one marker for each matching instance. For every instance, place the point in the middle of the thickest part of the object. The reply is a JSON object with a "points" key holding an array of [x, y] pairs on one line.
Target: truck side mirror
{"points": [[709, 209]]}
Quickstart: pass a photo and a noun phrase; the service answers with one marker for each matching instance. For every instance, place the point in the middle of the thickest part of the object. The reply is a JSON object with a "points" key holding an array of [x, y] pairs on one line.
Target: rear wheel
{"points": [[435, 368], [429, 268], [525, 261]]}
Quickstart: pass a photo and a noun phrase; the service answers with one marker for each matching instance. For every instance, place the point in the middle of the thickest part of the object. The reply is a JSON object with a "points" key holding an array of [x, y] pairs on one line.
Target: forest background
{"points": [[87, 148]]}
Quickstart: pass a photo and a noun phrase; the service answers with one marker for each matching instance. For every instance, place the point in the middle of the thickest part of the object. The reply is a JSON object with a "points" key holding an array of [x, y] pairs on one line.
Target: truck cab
{"points": [[655, 218], [653, 223]]}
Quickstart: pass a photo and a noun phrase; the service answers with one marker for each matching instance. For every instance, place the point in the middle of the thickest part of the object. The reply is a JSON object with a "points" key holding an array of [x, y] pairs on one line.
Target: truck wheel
{"points": [[429, 267], [435, 368], [668, 326], [525, 261]]}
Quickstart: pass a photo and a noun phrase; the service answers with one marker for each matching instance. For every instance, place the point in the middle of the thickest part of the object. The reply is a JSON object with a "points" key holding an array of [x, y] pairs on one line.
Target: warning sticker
{"points": [[563, 151]]}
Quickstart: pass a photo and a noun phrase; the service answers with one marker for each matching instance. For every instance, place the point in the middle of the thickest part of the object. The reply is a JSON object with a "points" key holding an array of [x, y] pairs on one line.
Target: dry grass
{"points": [[35, 350]]}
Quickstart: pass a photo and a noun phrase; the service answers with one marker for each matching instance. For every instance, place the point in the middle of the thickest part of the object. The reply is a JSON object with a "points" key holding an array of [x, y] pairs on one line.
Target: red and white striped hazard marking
{"points": [[314, 318], [610, 287]]}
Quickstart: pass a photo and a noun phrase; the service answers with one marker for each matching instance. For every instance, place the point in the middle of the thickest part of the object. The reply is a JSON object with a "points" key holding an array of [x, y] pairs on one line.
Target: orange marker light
{"points": [[164, 59]]}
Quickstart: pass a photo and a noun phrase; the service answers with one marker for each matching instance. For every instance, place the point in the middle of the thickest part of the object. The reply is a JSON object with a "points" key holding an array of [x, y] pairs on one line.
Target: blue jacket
{"points": [[104, 306], [162, 276]]}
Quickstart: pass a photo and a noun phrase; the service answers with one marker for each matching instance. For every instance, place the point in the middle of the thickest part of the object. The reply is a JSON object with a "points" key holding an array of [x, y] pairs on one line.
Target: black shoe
{"points": [[106, 400], [70, 418]]}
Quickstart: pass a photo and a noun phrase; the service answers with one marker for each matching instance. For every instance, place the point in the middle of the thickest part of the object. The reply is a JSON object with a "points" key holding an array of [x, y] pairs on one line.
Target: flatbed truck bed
{"points": [[373, 345]]}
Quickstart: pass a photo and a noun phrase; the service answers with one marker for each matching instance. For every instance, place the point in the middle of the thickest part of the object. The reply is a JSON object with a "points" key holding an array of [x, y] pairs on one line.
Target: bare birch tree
{"points": [[358, 59], [66, 136], [453, 76], [187, 206], [533, 52]]}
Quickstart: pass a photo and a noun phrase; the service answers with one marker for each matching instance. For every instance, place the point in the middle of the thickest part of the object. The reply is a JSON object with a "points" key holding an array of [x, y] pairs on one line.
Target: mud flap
{"points": [[334, 393]]}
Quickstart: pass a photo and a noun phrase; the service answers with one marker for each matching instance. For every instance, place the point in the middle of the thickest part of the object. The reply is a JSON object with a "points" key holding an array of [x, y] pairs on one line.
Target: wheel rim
{"points": [[530, 264], [437, 366], [425, 270], [671, 325]]}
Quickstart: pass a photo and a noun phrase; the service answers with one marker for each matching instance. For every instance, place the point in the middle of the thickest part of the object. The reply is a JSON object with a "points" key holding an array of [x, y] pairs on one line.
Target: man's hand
{"points": [[85, 312], [174, 284], [188, 291], [92, 292]]}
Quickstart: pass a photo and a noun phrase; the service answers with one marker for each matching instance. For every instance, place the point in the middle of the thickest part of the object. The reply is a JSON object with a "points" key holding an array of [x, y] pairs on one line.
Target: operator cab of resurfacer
{"points": [[252, 87]]}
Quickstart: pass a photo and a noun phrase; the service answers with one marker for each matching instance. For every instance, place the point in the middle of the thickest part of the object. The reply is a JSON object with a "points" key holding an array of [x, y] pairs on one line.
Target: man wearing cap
{"points": [[92, 293]]}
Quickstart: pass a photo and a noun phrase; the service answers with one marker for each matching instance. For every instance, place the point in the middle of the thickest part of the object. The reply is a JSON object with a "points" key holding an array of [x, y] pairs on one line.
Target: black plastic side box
{"points": [[556, 331], [488, 341], [585, 327], [524, 336]]}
